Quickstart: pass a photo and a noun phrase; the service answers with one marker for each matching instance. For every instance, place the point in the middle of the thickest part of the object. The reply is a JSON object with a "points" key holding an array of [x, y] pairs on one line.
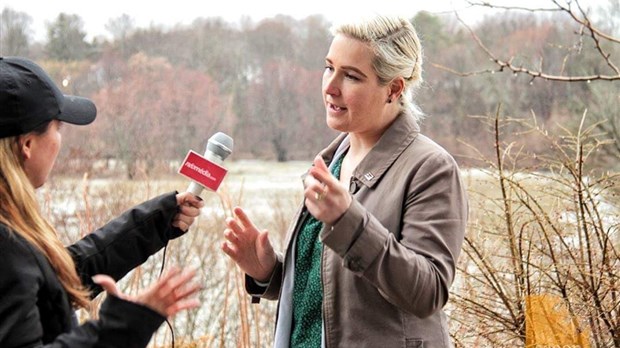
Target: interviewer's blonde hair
{"points": [[19, 210], [397, 51]]}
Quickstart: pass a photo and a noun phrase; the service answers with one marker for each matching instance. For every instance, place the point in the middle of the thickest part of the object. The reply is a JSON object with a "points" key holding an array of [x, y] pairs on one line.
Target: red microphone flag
{"points": [[202, 171]]}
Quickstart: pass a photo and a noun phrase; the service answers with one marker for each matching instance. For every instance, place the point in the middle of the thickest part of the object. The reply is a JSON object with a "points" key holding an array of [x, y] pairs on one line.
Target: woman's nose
{"points": [[330, 85]]}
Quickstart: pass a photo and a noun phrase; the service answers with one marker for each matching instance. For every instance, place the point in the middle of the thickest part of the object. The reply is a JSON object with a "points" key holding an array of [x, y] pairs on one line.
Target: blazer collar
{"points": [[390, 146]]}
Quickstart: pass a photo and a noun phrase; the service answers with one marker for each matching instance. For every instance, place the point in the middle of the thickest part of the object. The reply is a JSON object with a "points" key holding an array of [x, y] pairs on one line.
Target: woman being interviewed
{"points": [[372, 253], [41, 281]]}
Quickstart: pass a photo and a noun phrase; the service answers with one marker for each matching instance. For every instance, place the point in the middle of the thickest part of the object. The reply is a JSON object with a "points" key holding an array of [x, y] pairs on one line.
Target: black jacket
{"points": [[35, 309]]}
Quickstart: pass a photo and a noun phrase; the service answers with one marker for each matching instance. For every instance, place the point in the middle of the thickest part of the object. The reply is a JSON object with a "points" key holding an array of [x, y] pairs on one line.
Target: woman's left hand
{"points": [[326, 199], [173, 292]]}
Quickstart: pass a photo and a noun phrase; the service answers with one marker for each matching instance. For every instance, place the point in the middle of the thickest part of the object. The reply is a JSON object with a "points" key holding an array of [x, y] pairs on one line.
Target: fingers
{"points": [[188, 198], [107, 283], [315, 190], [183, 305], [182, 222], [189, 209], [174, 284], [165, 281], [320, 163], [321, 173], [243, 218], [326, 198], [264, 243], [240, 227], [172, 292], [240, 235]]}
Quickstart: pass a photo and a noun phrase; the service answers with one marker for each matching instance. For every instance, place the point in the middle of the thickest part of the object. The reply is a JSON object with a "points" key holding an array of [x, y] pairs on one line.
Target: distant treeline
{"points": [[161, 92]]}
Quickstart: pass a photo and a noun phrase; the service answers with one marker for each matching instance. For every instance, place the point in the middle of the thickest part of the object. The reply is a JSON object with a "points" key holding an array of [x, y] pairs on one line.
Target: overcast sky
{"points": [[95, 14]]}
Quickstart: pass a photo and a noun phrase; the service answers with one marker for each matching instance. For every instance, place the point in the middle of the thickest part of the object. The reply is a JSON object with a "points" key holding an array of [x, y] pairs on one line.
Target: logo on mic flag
{"points": [[202, 171]]}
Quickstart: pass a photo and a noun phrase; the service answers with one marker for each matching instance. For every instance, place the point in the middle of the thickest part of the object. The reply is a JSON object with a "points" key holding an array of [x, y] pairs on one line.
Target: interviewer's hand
{"points": [[326, 199], [189, 209], [249, 247], [169, 295]]}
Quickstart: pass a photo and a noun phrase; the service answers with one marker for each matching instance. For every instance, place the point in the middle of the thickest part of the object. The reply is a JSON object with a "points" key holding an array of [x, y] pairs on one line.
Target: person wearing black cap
{"points": [[41, 281]]}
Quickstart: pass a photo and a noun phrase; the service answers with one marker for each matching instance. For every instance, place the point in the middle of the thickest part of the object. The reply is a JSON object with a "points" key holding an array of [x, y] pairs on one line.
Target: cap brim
{"points": [[77, 110]]}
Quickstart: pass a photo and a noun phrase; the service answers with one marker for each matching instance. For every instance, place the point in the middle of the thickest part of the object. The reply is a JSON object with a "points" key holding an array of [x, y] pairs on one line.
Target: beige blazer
{"points": [[389, 261]]}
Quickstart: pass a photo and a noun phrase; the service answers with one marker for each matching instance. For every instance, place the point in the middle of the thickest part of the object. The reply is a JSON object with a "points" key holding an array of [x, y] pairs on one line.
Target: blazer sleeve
{"points": [[127, 241], [413, 271], [271, 290]]}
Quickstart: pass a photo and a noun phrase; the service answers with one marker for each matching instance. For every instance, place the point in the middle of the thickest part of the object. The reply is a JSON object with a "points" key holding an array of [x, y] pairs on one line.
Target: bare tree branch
{"points": [[490, 5], [506, 65]]}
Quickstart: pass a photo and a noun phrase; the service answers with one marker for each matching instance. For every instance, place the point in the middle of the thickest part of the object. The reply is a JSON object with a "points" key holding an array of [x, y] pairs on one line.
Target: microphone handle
{"points": [[194, 187]]}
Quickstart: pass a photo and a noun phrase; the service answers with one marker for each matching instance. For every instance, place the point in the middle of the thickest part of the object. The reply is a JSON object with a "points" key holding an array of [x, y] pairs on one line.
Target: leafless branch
{"points": [[580, 17], [490, 5]]}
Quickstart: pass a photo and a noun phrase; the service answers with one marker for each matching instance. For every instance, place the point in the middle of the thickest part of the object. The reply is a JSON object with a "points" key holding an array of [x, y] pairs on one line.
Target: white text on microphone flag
{"points": [[202, 171]]}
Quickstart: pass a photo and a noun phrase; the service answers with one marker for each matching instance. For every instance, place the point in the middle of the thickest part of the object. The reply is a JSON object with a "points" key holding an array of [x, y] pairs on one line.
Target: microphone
{"points": [[208, 171]]}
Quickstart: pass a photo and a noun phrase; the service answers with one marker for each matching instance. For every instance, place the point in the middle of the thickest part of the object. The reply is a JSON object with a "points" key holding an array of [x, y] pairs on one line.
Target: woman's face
{"points": [[354, 100], [40, 152]]}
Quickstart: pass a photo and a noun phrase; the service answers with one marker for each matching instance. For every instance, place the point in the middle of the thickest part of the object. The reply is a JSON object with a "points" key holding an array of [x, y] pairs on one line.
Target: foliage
{"points": [[550, 229], [155, 102], [65, 38], [14, 30], [268, 74]]}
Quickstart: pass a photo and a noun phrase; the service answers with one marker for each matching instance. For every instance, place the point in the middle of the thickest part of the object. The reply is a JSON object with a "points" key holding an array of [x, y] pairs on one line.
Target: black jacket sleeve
{"points": [[34, 308], [120, 324], [127, 241]]}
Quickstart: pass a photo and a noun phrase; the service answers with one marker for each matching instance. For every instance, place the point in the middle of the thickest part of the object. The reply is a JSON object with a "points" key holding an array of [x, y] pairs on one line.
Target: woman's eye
{"points": [[351, 77]]}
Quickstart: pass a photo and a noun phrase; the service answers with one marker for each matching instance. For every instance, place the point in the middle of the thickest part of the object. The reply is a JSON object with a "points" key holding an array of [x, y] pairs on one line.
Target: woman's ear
{"points": [[25, 144], [396, 88]]}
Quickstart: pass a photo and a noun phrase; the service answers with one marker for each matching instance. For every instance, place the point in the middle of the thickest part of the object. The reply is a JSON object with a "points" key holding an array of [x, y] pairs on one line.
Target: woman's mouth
{"points": [[335, 108]]}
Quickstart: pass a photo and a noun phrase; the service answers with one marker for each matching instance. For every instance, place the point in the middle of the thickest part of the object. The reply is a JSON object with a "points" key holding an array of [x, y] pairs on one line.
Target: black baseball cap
{"points": [[29, 98]]}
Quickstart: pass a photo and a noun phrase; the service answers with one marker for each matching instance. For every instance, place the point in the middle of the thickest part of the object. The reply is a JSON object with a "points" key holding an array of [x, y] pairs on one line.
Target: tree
{"points": [[218, 49], [14, 33], [157, 102], [272, 39], [66, 38], [311, 42], [121, 28], [282, 113]]}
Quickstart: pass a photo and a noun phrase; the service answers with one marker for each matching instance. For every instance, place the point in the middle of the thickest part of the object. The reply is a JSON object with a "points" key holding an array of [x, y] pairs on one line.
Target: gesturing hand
{"points": [[326, 198], [249, 247], [169, 295]]}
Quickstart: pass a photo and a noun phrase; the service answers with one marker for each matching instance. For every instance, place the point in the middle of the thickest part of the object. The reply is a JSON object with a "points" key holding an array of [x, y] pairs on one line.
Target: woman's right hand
{"points": [[249, 247]]}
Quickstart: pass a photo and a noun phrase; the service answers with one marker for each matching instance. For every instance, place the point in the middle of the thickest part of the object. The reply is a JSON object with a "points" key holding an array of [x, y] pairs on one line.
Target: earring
{"points": [[389, 101]]}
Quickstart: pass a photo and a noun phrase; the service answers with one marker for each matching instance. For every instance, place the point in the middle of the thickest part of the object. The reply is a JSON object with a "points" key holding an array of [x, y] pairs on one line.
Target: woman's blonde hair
{"points": [[397, 50], [19, 210]]}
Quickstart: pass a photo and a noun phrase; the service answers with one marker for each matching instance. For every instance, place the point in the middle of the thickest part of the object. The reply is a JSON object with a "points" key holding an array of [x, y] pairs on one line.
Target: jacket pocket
{"points": [[414, 343]]}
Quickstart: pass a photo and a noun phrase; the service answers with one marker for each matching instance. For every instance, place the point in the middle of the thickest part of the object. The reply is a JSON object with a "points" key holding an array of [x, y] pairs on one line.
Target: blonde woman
{"points": [[41, 281], [372, 253]]}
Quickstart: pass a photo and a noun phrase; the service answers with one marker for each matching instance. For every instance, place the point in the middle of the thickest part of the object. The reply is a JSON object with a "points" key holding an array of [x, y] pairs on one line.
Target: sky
{"points": [[95, 14]]}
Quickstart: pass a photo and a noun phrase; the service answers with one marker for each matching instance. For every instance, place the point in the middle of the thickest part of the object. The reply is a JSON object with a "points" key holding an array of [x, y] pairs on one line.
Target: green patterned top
{"points": [[307, 287]]}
